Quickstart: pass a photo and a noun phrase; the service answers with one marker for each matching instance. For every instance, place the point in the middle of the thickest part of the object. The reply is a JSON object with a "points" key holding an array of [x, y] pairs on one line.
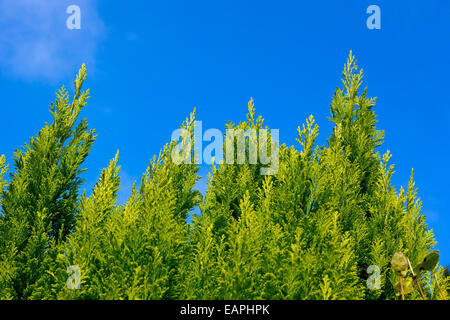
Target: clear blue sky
{"points": [[151, 62]]}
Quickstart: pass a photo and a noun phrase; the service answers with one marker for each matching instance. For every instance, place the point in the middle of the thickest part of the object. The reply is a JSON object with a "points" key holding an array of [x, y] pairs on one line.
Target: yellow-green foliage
{"points": [[310, 231]]}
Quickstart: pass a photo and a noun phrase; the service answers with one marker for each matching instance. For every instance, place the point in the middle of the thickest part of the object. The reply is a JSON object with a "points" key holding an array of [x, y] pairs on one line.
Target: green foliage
{"points": [[40, 203], [309, 231]]}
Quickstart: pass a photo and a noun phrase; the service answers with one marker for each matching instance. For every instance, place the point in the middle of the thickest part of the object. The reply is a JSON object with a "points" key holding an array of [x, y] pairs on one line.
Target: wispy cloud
{"points": [[126, 186], [35, 43]]}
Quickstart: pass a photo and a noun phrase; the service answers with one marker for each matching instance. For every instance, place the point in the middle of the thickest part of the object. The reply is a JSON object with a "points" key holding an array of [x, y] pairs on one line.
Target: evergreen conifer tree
{"points": [[132, 251], [40, 203], [328, 224]]}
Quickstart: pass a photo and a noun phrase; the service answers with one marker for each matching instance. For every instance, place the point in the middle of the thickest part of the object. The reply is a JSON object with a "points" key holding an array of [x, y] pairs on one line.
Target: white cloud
{"points": [[36, 44]]}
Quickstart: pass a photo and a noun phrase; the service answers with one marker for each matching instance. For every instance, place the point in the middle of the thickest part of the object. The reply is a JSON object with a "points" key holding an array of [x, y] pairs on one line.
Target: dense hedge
{"points": [[310, 231]]}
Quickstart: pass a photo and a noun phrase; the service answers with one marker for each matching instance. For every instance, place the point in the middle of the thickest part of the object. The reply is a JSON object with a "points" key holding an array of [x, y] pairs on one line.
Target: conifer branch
{"points": [[439, 287]]}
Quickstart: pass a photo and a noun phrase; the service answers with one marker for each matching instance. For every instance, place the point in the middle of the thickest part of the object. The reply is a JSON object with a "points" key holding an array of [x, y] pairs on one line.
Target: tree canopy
{"points": [[326, 225]]}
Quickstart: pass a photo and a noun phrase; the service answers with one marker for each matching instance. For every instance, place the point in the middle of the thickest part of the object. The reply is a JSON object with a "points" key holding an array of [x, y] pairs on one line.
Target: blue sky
{"points": [[151, 62]]}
